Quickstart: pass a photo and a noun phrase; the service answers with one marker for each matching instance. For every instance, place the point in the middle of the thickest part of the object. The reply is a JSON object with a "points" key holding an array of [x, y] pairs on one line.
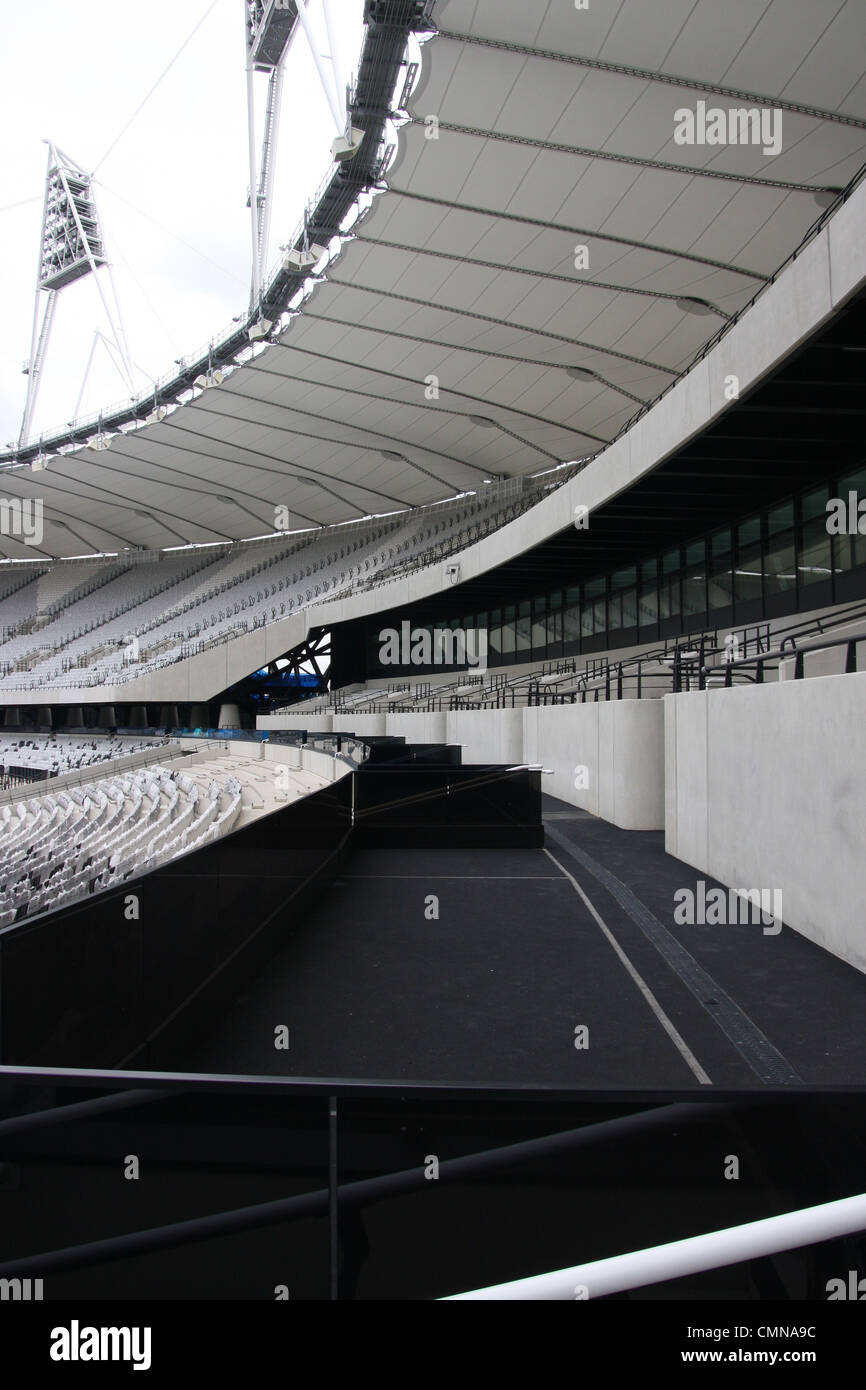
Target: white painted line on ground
{"points": [[676, 1037]]}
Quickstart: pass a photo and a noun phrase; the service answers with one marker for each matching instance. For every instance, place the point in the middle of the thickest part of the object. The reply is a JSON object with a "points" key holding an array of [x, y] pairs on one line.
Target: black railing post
{"points": [[333, 1213], [851, 657], [798, 666]]}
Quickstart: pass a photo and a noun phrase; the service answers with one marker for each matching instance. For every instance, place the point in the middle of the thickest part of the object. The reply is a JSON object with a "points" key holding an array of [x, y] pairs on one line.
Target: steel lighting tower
{"points": [[71, 248]]}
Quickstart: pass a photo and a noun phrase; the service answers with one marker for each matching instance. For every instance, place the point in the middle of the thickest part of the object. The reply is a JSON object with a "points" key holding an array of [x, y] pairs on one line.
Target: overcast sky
{"points": [[171, 194]]}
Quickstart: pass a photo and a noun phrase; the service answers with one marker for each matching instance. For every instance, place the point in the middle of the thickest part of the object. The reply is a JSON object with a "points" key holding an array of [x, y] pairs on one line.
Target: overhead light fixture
{"points": [[688, 305], [100, 440], [581, 374], [483, 422], [261, 329], [158, 413], [304, 259], [39, 463], [229, 501], [826, 197], [147, 515], [213, 377], [346, 146], [392, 454]]}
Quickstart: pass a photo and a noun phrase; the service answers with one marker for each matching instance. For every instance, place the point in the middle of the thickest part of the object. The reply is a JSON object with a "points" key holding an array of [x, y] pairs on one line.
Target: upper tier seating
{"points": [[113, 625]]}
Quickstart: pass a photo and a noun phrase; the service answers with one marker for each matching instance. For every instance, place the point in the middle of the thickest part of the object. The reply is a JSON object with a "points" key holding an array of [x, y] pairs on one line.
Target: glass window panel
{"points": [[539, 622], [780, 575], [614, 612], [623, 579], [571, 622], [720, 585], [695, 579], [593, 608], [814, 560], [649, 592], [523, 628], [850, 550], [669, 606], [508, 631], [748, 574], [780, 519], [554, 626]]}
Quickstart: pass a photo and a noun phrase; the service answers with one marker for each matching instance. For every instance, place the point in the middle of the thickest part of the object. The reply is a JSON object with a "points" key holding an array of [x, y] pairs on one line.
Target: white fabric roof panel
{"points": [[464, 270]]}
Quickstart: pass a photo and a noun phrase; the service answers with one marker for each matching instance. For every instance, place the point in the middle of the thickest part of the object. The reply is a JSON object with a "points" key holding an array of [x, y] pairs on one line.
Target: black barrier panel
{"points": [[70, 986], [450, 807], [138, 972], [398, 751]]}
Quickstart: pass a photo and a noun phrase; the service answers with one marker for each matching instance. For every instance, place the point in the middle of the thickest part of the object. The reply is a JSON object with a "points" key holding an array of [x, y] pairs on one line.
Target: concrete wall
{"points": [[316, 723], [488, 736], [619, 747], [619, 743], [766, 788], [418, 728], [359, 724]]}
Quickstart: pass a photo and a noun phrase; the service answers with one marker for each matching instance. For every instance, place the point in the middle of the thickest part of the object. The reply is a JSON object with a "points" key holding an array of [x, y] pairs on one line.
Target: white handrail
{"points": [[681, 1257]]}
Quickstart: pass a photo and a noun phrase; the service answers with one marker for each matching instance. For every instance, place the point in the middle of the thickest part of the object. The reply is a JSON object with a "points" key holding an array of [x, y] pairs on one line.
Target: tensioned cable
{"points": [[448, 390], [390, 441], [649, 75], [501, 216], [199, 492], [636, 161], [25, 202], [424, 405], [125, 504], [527, 270], [183, 241], [479, 352], [163, 74], [500, 323], [309, 475]]}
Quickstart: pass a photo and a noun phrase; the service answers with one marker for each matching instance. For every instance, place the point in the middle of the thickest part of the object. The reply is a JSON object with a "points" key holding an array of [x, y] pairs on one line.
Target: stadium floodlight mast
{"points": [[71, 247]]}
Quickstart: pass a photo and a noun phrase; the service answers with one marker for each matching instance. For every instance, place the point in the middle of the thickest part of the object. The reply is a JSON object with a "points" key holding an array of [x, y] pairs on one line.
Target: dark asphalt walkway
{"points": [[527, 947]]}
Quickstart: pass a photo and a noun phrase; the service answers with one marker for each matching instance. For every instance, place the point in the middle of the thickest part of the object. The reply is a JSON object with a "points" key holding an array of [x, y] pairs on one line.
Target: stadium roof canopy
{"points": [[540, 214]]}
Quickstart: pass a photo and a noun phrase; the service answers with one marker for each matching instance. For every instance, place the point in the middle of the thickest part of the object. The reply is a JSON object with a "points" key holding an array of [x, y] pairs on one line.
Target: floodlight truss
{"points": [[71, 247]]}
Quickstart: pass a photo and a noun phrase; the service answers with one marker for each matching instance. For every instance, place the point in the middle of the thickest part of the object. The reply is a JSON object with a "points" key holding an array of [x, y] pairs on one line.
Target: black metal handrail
{"points": [[782, 653]]}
